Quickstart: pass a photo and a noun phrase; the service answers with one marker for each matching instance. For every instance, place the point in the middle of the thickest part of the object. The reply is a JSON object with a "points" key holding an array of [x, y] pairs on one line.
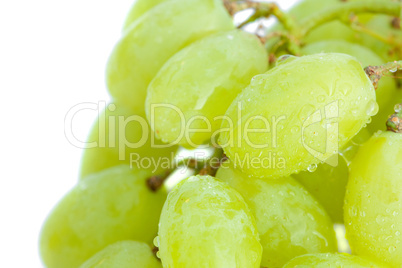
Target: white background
{"points": [[52, 57]]}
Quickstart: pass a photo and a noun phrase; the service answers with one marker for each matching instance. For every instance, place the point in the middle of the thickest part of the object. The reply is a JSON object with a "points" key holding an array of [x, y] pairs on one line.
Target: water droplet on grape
{"points": [[353, 211], [398, 108], [321, 98], [312, 167], [380, 219], [294, 129], [391, 249], [156, 241], [284, 59], [372, 108]]}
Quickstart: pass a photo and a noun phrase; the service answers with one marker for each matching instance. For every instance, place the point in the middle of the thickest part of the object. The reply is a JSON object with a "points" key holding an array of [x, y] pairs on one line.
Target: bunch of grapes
{"points": [[299, 127]]}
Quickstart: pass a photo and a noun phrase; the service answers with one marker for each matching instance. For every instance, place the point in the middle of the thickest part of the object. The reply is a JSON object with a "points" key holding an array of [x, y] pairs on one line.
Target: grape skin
{"points": [[153, 39], [106, 207], [373, 201], [334, 260], [289, 91], [108, 154], [202, 80], [139, 8], [123, 254], [205, 223], [387, 93], [289, 220], [328, 185]]}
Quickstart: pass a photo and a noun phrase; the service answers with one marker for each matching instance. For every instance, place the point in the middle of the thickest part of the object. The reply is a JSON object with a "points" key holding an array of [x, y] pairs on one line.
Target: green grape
{"points": [[328, 185], [387, 89], [139, 8], [124, 137], [373, 201], [124, 254], [106, 207], [289, 220], [153, 39], [283, 122], [331, 260], [205, 223], [200, 82]]}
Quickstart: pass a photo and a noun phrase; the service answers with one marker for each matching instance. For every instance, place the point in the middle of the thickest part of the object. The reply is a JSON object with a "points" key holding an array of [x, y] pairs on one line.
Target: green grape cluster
{"points": [[290, 122]]}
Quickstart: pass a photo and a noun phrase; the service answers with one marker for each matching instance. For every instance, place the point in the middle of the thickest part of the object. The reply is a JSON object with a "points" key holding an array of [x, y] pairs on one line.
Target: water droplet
{"points": [[312, 167], [379, 219], [321, 98], [393, 70], [294, 129], [156, 241], [353, 211], [284, 59], [372, 108], [398, 108]]}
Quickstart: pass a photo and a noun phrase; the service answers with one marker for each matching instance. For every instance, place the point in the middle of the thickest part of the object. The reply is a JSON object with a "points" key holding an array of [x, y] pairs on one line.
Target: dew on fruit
{"points": [[372, 108], [398, 108], [312, 167]]}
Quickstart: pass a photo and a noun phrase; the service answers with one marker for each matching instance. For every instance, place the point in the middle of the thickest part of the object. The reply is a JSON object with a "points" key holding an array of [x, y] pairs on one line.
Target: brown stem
{"points": [[376, 72], [207, 166], [155, 182], [261, 10]]}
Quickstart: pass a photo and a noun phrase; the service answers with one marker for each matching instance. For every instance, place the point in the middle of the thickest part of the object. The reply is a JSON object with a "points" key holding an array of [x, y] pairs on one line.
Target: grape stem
{"points": [[376, 72], [265, 10], [261, 10], [345, 9], [394, 122], [208, 166]]}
